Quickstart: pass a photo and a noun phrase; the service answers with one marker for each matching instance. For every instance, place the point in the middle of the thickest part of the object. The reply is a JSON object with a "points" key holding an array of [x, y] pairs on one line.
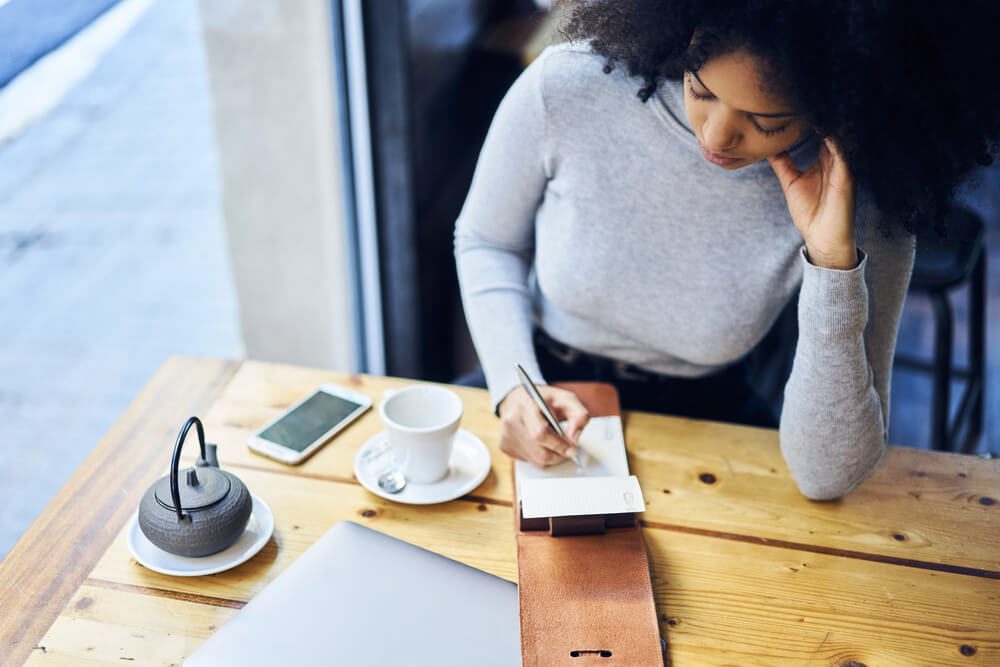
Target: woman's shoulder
{"points": [[569, 53], [574, 69]]}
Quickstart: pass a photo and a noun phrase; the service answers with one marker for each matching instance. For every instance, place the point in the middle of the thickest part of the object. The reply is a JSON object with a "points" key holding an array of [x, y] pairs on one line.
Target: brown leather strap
{"points": [[586, 599]]}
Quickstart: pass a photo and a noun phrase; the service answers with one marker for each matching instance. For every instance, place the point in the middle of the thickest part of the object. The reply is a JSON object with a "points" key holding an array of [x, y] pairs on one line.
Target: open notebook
{"points": [[602, 485]]}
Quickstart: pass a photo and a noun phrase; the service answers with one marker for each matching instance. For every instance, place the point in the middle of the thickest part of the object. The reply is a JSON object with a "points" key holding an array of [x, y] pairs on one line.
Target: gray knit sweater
{"points": [[594, 215]]}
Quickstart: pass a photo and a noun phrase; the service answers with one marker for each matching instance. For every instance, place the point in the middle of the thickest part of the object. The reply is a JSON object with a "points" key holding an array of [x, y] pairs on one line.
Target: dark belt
{"points": [[606, 366]]}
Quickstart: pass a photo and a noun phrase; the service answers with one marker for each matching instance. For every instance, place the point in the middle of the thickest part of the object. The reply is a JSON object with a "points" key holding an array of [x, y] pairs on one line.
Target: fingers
{"points": [[784, 169], [826, 155], [574, 428], [571, 410], [831, 156], [537, 448], [833, 148], [527, 435], [544, 437], [837, 173], [516, 440], [544, 458]]}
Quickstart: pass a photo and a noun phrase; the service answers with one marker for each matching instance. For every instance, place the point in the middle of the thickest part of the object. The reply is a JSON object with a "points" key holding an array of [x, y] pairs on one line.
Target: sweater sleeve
{"points": [[835, 418], [494, 234]]}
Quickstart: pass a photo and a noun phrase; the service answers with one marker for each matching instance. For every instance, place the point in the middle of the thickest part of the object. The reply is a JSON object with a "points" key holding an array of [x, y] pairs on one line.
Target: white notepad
{"points": [[602, 486]]}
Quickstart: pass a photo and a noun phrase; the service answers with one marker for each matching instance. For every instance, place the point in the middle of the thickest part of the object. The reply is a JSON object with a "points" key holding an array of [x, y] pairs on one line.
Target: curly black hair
{"points": [[907, 88]]}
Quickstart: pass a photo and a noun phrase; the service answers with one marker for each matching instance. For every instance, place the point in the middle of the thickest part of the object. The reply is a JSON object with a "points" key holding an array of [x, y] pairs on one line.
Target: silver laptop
{"points": [[358, 597]]}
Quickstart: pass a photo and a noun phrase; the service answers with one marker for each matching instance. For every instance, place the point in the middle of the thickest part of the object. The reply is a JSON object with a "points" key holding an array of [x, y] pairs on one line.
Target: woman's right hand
{"points": [[526, 435]]}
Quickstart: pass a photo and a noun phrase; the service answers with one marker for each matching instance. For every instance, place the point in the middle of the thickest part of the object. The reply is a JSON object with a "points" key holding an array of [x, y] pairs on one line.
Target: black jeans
{"points": [[725, 396]]}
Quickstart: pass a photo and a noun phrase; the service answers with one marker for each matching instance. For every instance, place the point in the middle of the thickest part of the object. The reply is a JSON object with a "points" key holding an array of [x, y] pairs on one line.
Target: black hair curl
{"points": [[907, 88]]}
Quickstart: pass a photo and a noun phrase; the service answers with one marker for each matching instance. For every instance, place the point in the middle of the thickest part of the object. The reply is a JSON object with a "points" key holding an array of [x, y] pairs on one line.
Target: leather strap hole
{"points": [[604, 653]]}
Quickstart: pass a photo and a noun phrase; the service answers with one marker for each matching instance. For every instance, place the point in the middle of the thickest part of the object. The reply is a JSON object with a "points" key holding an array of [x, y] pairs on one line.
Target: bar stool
{"points": [[942, 264]]}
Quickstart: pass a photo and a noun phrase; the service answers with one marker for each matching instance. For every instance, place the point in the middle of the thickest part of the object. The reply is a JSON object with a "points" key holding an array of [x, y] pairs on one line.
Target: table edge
{"points": [[32, 592]]}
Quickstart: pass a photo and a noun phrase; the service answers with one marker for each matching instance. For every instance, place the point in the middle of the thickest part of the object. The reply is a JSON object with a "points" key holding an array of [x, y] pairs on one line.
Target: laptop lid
{"points": [[360, 597]]}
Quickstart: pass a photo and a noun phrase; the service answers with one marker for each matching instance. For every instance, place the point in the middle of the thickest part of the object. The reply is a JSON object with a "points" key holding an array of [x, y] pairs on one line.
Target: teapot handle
{"points": [[175, 494]]}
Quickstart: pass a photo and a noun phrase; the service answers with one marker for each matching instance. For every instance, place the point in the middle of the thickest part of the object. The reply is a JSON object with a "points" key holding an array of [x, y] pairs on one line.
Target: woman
{"points": [[653, 193]]}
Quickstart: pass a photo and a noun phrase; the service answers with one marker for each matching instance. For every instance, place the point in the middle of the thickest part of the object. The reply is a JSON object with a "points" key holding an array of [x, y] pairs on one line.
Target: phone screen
{"points": [[309, 421]]}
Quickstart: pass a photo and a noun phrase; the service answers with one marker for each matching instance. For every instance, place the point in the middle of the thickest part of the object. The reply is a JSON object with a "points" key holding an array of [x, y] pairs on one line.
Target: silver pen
{"points": [[532, 390]]}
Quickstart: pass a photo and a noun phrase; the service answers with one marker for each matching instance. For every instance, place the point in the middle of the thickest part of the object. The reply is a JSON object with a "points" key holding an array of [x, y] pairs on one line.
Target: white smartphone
{"points": [[307, 425]]}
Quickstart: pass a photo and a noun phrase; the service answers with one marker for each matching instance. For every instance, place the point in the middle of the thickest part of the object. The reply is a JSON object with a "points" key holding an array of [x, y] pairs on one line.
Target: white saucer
{"points": [[257, 533], [468, 467]]}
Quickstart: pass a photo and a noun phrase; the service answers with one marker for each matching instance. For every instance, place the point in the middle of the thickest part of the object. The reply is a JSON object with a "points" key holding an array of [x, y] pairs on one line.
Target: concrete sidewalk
{"points": [[112, 254]]}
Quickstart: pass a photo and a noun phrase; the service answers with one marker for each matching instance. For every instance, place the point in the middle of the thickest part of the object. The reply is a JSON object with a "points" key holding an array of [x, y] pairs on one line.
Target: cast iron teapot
{"points": [[199, 512]]}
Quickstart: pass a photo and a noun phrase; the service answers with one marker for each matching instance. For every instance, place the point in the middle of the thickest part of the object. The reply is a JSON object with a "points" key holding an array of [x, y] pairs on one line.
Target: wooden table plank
{"points": [[474, 533], [923, 508], [50, 561], [730, 603], [927, 508], [102, 625], [720, 601]]}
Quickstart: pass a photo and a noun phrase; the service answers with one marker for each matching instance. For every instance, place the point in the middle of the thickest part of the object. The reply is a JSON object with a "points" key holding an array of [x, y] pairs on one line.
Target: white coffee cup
{"points": [[421, 422]]}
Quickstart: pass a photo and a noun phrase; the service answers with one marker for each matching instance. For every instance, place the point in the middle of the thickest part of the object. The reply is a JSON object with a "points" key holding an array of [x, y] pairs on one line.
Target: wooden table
{"points": [[904, 571]]}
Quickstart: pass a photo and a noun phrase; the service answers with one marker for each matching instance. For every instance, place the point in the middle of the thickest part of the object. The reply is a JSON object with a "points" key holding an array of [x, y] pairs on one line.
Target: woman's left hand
{"points": [[821, 203]]}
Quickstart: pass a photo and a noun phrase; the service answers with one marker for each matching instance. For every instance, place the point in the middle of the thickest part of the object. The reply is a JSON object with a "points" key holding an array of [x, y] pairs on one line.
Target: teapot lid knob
{"points": [[194, 488]]}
